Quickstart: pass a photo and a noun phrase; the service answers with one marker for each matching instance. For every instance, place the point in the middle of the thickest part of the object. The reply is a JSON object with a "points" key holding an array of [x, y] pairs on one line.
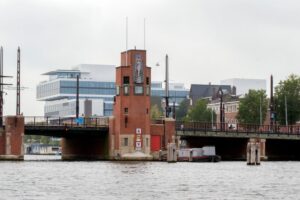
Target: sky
{"points": [[207, 41]]}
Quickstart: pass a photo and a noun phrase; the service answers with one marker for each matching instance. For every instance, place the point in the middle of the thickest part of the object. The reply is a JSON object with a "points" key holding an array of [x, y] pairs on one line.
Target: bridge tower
{"points": [[130, 126]]}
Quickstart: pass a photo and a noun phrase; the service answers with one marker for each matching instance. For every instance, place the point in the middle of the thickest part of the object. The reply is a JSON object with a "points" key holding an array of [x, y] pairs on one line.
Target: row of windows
{"points": [[90, 84], [47, 89], [65, 90], [161, 93], [138, 90], [228, 108], [125, 142]]}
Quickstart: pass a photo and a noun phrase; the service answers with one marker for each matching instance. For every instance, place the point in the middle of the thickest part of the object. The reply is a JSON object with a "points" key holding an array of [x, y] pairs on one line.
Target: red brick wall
{"points": [[138, 105], [14, 129], [2, 142]]}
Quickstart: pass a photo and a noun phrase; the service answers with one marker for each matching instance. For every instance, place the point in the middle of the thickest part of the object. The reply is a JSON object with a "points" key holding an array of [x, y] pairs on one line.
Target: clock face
{"points": [[138, 72]]}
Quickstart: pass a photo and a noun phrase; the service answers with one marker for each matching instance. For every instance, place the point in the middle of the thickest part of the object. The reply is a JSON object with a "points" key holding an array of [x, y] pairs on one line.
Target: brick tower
{"points": [[130, 127]]}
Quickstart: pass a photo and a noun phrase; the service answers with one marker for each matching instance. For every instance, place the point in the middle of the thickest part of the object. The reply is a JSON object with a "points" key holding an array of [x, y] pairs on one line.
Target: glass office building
{"points": [[96, 83]]}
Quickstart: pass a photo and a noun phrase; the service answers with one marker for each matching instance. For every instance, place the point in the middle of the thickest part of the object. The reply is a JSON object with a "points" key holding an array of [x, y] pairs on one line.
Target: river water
{"points": [[51, 178]]}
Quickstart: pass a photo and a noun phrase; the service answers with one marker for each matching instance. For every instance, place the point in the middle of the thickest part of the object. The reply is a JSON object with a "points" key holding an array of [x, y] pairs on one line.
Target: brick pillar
{"points": [[11, 139], [169, 131], [111, 138]]}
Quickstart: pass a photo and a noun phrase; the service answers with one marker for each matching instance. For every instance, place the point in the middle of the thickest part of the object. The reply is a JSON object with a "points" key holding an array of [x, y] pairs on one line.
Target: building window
{"points": [[125, 142], [118, 90], [125, 110], [126, 89], [138, 90], [147, 81], [126, 80], [147, 90]]}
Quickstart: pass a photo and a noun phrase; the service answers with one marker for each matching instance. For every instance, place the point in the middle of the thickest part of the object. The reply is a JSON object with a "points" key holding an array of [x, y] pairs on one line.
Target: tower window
{"points": [[125, 110], [126, 79], [125, 142], [126, 89], [147, 80]]}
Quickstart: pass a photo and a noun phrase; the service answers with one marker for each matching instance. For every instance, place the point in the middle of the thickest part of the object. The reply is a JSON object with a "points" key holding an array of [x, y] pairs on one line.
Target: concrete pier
{"points": [[172, 153], [253, 152]]}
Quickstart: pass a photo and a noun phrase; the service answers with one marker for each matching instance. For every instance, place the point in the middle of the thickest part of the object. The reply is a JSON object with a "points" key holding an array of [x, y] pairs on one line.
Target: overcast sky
{"points": [[206, 41]]}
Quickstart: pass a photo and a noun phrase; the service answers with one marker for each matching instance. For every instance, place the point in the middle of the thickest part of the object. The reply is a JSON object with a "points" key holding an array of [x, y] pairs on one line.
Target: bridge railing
{"points": [[68, 122], [238, 128]]}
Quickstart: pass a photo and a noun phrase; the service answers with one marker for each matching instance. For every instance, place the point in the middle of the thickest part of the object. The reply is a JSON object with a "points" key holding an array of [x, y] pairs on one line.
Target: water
{"points": [[55, 179]]}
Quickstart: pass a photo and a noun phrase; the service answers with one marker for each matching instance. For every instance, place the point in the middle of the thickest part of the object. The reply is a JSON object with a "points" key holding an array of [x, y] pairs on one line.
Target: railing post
{"points": [[47, 121], [33, 121], [58, 120]]}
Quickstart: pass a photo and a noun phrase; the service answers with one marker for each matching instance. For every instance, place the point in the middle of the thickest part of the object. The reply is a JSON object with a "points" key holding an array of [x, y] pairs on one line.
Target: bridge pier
{"points": [[85, 148], [11, 138]]}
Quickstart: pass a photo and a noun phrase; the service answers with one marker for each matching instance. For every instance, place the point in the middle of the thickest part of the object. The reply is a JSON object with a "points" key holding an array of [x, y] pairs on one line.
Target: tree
{"points": [[249, 107], [289, 89], [200, 112], [155, 112], [182, 109]]}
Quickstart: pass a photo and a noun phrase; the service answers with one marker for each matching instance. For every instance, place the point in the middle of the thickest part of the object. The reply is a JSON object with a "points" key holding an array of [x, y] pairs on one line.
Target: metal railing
{"points": [[66, 122], [237, 128]]}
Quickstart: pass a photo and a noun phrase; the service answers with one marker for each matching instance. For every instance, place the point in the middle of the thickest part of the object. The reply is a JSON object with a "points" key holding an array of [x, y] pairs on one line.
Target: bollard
{"points": [[172, 153]]}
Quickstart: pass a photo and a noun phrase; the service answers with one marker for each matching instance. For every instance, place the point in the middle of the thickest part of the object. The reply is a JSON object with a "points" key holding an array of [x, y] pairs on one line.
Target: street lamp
{"points": [[221, 108]]}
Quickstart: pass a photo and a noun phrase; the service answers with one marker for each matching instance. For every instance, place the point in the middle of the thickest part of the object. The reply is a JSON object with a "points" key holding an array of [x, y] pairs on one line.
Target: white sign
{"points": [[138, 144], [138, 131]]}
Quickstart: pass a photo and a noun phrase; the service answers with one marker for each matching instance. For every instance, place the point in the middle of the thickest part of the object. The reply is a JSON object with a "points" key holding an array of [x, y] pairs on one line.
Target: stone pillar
{"points": [[263, 155], [253, 152], [11, 139], [172, 153], [112, 138]]}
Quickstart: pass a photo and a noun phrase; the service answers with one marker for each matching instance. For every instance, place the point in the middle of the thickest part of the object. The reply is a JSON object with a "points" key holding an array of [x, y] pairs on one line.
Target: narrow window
{"points": [[147, 80], [126, 80], [125, 142], [125, 110]]}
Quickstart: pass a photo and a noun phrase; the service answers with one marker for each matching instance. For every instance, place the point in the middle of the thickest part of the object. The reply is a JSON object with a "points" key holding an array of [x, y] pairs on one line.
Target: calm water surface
{"points": [[54, 179]]}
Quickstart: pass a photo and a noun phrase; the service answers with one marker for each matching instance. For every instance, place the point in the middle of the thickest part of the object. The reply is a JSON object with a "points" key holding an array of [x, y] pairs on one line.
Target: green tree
{"points": [[249, 107], [200, 112], [182, 109], [289, 89], [155, 112]]}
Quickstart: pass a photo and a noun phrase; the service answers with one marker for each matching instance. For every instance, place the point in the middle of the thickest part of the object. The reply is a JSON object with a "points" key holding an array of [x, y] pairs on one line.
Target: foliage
{"points": [[40, 139], [249, 107], [155, 112], [200, 112], [182, 109], [289, 88]]}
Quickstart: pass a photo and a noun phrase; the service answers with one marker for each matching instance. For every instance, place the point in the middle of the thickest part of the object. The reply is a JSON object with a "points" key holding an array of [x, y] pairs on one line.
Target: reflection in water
{"points": [[36, 179]]}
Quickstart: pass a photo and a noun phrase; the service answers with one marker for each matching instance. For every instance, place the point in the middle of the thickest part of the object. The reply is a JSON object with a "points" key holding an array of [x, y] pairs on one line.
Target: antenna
{"points": [[144, 33], [18, 112], [126, 40]]}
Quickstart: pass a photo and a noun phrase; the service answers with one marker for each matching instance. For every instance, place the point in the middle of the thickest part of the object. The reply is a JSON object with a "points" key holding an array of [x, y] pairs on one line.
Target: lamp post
{"points": [[221, 109]]}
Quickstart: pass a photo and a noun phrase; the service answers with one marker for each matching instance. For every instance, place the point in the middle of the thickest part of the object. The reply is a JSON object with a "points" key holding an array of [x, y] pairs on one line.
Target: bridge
{"points": [[277, 142], [200, 129], [64, 127]]}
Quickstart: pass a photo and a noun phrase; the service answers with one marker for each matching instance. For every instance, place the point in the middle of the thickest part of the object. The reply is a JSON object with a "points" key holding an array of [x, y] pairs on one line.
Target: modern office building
{"points": [[244, 85], [97, 84], [59, 91]]}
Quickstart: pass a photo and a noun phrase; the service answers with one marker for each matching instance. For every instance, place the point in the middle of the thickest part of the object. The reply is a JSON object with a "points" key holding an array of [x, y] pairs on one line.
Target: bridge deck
{"points": [[198, 129], [69, 127]]}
